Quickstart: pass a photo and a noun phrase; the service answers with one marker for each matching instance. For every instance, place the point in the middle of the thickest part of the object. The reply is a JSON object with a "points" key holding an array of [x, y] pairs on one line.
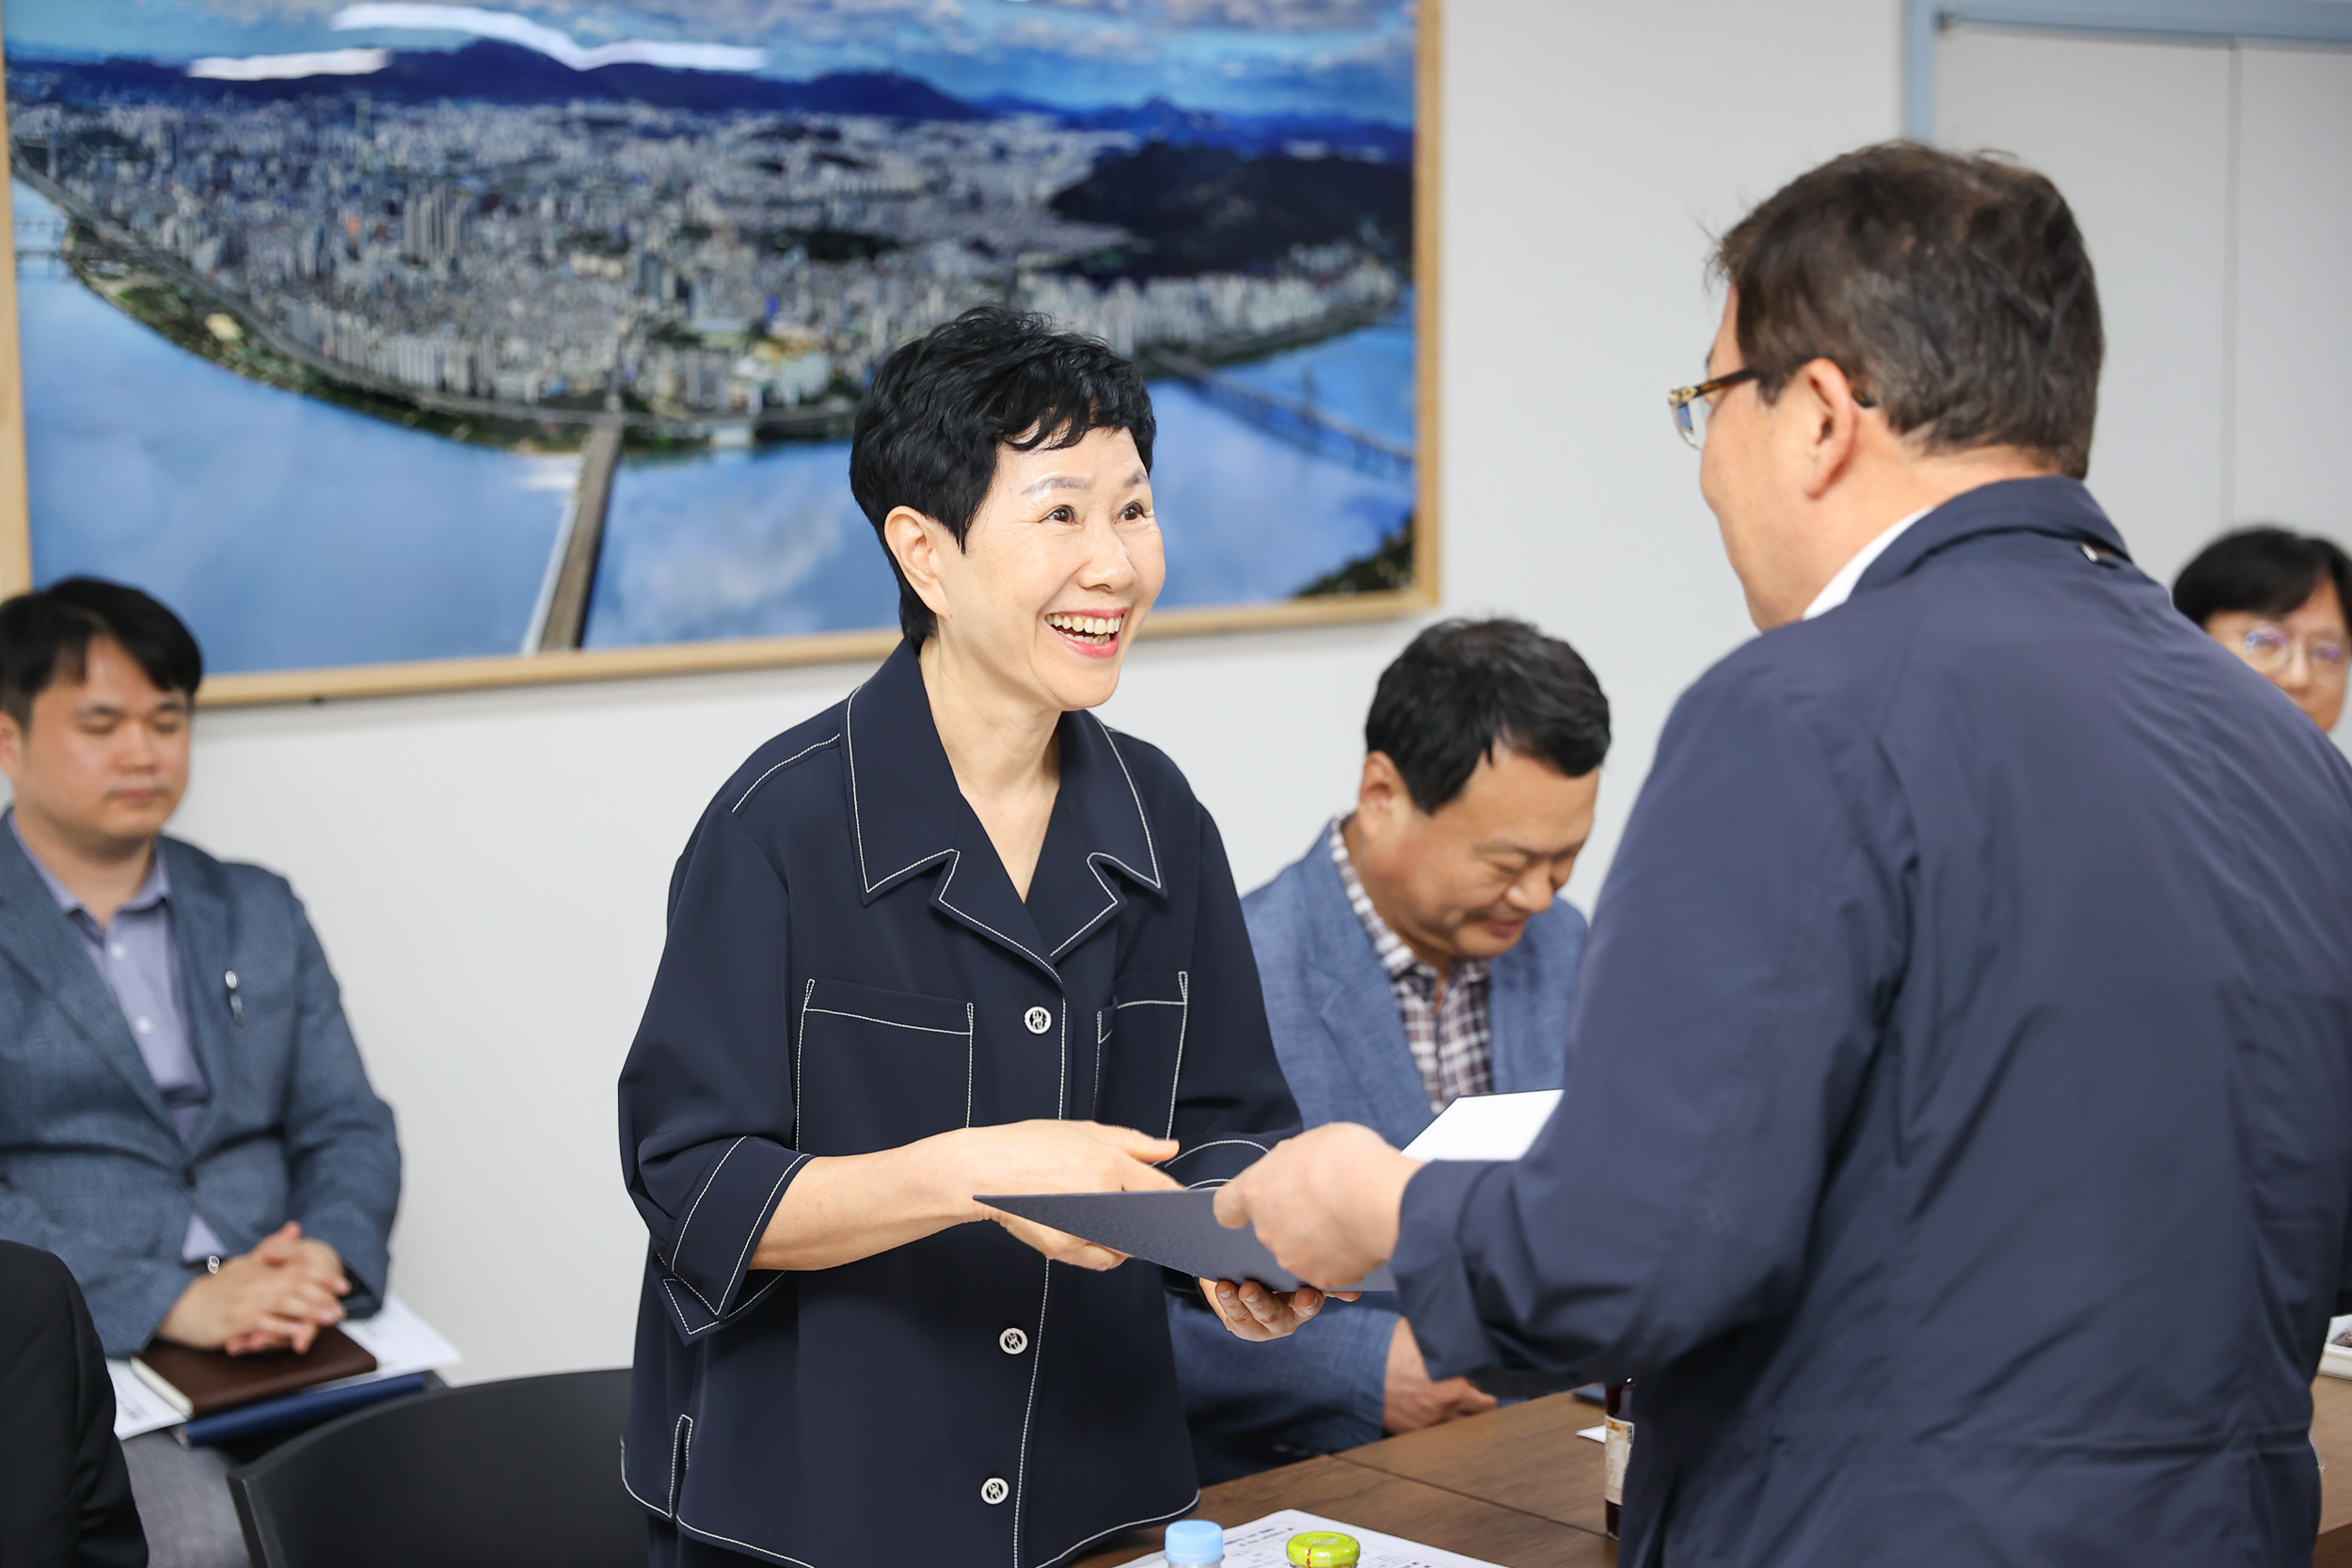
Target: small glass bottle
{"points": [[1324, 1548], [1194, 1544], [1618, 1450]]}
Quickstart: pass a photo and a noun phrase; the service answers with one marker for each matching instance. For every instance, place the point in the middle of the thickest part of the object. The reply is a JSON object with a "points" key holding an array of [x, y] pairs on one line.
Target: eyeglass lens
{"points": [[1691, 419], [2270, 649]]}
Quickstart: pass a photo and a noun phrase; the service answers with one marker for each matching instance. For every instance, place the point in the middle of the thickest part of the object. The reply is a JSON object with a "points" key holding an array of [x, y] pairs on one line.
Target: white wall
{"points": [[488, 870], [2214, 184]]}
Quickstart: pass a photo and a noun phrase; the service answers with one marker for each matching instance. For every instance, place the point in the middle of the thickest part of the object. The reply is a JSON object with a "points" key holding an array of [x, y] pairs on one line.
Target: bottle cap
{"points": [[1324, 1548], [1194, 1544]]}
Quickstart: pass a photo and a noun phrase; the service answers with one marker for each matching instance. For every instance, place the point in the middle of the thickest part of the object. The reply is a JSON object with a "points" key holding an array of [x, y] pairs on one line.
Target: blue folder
{"points": [[303, 1409]]}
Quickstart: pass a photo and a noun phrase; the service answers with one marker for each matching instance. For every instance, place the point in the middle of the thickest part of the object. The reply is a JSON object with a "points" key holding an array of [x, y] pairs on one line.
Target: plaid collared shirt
{"points": [[1445, 1021]]}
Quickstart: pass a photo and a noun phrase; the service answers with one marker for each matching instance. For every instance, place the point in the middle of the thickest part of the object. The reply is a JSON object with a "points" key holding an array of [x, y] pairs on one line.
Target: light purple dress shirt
{"points": [[140, 964]]}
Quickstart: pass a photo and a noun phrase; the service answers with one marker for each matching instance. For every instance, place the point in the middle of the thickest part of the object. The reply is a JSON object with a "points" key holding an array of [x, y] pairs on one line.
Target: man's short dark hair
{"points": [[940, 407], [1954, 291], [2261, 570], [1464, 688], [45, 637]]}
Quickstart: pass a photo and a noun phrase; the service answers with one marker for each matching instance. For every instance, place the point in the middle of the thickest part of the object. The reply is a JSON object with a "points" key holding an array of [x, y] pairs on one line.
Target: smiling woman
{"points": [[1068, 1004]]}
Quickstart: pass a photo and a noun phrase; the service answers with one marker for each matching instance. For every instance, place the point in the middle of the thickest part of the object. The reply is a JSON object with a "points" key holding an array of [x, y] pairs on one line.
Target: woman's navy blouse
{"points": [[849, 968]]}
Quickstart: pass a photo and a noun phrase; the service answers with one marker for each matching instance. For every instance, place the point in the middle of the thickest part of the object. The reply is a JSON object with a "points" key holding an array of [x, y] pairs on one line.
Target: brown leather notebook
{"points": [[202, 1381]]}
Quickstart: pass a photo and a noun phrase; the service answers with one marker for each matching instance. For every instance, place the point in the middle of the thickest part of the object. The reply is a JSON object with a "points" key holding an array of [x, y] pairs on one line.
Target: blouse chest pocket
{"points": [[877, 1068], [1139, 1049]]}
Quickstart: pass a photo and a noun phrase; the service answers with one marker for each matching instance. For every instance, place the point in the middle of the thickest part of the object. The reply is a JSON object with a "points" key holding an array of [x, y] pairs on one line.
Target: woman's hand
{"points": [[842, 1208], [1059, 1157]]}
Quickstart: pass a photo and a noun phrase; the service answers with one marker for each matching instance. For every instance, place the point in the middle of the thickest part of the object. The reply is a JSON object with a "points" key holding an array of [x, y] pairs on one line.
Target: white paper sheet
{"points": [[1262, 1543], [137, 1407], [1486, 1127], [401, 1342]]}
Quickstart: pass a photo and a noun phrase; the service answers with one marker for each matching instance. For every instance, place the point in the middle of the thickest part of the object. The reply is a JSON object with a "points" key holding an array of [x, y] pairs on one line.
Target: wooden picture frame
{"points": [[575, 664]]}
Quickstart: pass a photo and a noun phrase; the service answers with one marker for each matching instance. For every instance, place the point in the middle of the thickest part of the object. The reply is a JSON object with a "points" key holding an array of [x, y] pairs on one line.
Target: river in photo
{"points": [[295, 534], [289, 532]]}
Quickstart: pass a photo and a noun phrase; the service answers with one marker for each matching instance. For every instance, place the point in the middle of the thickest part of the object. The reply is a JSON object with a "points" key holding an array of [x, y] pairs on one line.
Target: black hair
{"points": [[45, 635], [940, 407], [1464, 688], [2263, 570], [1954, 290]]}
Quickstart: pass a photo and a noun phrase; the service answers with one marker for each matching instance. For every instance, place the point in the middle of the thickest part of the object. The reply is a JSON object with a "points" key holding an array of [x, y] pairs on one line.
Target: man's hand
{"points": [[1412, 1401], [1058, 1157], [1253, 1312], [1326, 1203], [277, 1296]]}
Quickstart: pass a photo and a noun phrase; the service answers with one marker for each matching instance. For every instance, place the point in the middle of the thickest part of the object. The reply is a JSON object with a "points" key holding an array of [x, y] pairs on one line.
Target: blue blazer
{"points": [[1963, 1158], [1342, 1048], [90, 1166]]}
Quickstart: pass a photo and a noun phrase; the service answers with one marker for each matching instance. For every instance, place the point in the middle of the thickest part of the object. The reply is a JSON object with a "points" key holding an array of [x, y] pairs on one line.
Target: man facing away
{"points": [[1416, 953], [1962, 1060], [183, 1117]]}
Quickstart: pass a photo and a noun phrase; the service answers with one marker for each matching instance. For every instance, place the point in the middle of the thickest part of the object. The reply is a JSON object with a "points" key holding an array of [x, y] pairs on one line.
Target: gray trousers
{"points": [[183, 1504]]}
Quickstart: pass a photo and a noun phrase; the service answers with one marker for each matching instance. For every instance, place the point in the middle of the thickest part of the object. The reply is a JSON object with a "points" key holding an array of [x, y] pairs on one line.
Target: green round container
{"points": [[1324, 1548]]}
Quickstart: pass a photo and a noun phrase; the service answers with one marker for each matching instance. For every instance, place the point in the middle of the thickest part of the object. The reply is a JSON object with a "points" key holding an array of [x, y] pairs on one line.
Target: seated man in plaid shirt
{"points": [[1416, 953]]}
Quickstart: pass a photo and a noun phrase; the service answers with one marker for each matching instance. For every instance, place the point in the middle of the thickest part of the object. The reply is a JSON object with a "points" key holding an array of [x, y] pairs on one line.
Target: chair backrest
{"points": [[520, 1474]]}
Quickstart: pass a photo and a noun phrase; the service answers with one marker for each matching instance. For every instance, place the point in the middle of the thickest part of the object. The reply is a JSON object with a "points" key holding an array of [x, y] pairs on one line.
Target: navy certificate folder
{"points": [[1175, 1229]]}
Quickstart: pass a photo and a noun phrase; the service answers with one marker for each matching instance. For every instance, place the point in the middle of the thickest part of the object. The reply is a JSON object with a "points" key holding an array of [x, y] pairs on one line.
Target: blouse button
{"points": [[1038, 1020], [1013, 1341], [994, 1491]]}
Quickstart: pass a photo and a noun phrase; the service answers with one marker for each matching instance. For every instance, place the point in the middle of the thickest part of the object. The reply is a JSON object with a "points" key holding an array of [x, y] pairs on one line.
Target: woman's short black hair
{"points": [[1463, 688], [46, 635], [940, 407], [2263, 570]]}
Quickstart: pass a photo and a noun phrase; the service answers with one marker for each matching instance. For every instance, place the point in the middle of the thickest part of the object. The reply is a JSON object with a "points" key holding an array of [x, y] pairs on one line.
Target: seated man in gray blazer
{"points": [[1417, 952], [183, 1118]]}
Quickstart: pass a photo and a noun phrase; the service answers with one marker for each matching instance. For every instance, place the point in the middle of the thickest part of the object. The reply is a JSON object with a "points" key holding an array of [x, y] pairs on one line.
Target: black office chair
{"points": [[521, 1474]]}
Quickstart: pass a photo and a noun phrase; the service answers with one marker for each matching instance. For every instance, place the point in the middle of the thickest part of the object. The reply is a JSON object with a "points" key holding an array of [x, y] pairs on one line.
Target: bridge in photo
{"points": [[1293, 418]]}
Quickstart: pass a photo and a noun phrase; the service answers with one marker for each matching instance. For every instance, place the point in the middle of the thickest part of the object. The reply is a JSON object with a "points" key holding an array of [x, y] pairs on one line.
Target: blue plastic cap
{"points": [[1194, 1544]]}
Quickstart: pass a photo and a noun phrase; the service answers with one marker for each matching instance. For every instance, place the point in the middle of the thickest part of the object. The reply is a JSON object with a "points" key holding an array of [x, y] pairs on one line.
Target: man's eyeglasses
{"points": [[2271, 649], [1693, 406]]}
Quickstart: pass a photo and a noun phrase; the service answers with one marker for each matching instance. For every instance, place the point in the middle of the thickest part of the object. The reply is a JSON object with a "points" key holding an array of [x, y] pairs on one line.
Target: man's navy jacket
{"points": [[849, 968], [1957, 1144]]}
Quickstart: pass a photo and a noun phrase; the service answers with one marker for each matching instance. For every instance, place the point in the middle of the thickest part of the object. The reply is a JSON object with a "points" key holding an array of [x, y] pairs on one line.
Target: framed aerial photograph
{"points": [[406, 346]]}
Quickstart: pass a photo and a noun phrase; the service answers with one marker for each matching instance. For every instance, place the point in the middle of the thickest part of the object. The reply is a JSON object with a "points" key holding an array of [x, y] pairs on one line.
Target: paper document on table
{"points": [[1486, 1127], [1175, 1229], [402, 1343], [138, 1409], [1262, 1543]]}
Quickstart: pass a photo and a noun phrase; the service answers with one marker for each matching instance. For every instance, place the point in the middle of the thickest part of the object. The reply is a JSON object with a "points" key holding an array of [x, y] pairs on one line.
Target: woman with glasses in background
{"points": [[2277, 600]]}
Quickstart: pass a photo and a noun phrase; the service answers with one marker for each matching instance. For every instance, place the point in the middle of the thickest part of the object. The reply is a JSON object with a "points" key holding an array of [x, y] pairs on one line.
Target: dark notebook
{"points": [[205, 1382]]}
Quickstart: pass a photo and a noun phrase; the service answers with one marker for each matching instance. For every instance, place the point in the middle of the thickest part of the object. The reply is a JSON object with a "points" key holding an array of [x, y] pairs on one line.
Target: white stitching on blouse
{"points": [[749, 1240], [956, 859], [1175, 1081], [1110, 736], [785, 763], [649, 1508], [1132, 1523], [677, 1247], [729, 1540], [1037, 1363], [799, 1042], [863, 1018]]}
